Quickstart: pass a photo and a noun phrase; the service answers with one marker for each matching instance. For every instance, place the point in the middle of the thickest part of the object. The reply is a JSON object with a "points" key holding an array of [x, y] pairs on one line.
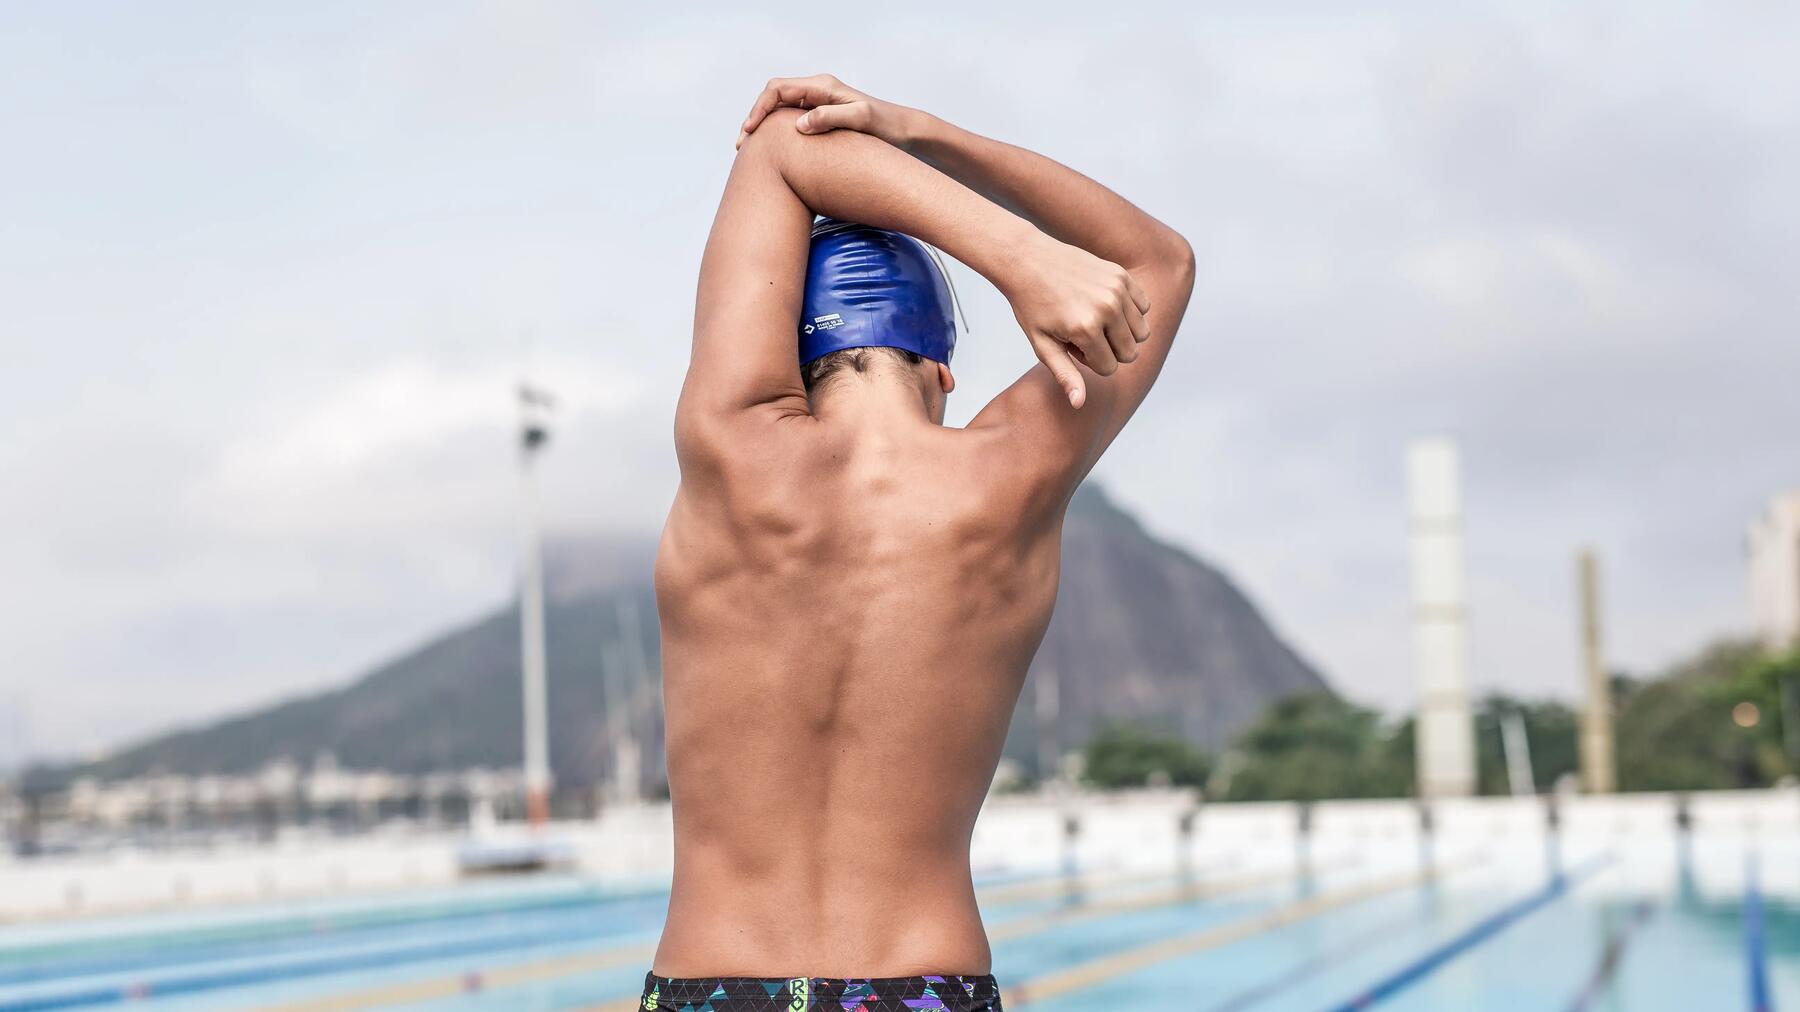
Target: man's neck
{"points": [[882, 403]]}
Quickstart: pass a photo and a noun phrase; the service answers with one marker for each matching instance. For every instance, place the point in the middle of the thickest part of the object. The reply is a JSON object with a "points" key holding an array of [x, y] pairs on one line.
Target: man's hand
{"points": [[1076, 307], [833, 105]]}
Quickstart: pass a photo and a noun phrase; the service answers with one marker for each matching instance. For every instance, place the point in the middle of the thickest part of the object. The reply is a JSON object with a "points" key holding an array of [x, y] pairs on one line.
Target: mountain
{"points": [[1146, 632], [1143, 631]]}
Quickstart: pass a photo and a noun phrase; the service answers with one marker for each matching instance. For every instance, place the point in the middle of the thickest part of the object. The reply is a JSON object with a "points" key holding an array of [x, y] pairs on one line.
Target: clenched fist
{"points": [[1076, 307]]}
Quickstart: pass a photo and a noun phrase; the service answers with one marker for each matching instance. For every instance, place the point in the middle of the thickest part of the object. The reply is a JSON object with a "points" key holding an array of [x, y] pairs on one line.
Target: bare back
{"points": [[845, 634]]}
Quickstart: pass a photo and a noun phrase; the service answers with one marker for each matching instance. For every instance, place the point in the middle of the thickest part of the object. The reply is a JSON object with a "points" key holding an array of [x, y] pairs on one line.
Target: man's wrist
{"points": [[1007, 249]]}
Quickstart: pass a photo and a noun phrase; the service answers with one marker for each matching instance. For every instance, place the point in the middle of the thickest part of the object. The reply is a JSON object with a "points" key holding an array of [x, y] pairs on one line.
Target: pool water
{"points": [[1482, 931]]}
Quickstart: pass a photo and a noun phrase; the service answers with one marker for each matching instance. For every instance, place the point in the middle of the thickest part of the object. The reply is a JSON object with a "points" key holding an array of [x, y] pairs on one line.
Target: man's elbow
{"points": [[1178, 253], [1167, 255]]}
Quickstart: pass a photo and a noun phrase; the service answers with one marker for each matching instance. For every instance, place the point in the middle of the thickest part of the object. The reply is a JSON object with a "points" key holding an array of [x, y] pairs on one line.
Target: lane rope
{"points": [[1482, 931], [1096, 971], [1756, 950], [1611, 957]]}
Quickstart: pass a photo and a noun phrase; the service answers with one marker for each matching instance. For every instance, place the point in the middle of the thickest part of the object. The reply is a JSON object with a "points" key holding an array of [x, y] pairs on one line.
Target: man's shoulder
{"points": [[710, 438], [982, 479], [1007, 462]]}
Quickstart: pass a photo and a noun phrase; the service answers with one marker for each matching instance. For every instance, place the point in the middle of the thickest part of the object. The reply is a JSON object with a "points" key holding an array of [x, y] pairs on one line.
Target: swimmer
{"points": [[850, 591]]}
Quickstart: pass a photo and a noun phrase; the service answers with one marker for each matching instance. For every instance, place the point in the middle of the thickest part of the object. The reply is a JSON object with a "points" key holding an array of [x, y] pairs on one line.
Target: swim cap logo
{"points": [[830, 321], [801, 990]]}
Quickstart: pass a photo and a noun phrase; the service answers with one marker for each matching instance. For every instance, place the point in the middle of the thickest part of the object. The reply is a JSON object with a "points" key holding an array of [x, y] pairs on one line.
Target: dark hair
{"points": [[855, 359]]}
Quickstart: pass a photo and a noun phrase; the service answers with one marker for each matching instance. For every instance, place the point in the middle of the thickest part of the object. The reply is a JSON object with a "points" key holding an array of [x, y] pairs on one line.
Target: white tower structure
{"points": [[1774, 545], [1446, 732], [534, 432]]}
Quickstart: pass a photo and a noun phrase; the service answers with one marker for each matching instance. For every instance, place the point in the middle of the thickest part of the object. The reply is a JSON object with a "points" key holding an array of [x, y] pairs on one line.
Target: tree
{"points": [[1316, 746], [1712, 722], [1122, 754]]}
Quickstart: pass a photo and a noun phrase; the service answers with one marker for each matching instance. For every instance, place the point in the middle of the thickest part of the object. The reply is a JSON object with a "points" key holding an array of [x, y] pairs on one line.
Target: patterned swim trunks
{"points": [[797, 994]]}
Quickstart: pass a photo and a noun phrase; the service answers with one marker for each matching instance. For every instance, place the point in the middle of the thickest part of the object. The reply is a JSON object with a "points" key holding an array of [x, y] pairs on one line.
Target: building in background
{"points": [[1774, 546], [1446, 730]]}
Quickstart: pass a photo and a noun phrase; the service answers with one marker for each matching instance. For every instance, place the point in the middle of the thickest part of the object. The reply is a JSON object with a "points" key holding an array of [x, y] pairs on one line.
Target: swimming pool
{"points": [[1487, 929]]}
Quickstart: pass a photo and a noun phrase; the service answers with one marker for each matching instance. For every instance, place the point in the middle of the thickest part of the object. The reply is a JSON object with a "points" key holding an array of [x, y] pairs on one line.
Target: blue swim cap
{"points": [[873, 288]]}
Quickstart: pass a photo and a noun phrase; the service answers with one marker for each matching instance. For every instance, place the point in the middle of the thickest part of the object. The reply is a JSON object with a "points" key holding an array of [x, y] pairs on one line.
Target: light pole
{"points": [[534, 432], [1598, 772], [622, 715], [1046, 697]]}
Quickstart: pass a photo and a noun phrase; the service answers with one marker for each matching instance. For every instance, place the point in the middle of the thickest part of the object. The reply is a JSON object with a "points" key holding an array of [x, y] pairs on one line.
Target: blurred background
{"points": [[1451, 576]]}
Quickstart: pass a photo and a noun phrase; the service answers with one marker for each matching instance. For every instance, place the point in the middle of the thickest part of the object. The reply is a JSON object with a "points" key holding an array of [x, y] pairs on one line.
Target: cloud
{"points": [[330, 465]]}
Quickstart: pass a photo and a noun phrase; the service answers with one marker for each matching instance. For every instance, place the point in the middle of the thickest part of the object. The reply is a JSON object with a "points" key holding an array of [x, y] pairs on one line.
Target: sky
{"points": [[267, 279]]}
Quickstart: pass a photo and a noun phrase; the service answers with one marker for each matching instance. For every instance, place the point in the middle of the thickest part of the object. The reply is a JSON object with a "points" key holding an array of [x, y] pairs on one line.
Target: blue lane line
{"points": [[115, 994], [1427, 964], [135, 953], [26, 962], [129, 958], [1298, 973], [1756, 950]]}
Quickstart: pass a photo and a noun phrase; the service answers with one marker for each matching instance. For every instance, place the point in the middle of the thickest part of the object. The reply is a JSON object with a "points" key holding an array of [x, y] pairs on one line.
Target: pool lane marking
{"points": [[1029, 924], [332, 926], [1611, 956], [296, 955], [237, 976], [227, 978], [1060, 885], [431, 988], [1756, 953], [304, 965], [147, 947], [1084, 975], [149, 953], [1482, 931], [1365, 939], [524, 973]]}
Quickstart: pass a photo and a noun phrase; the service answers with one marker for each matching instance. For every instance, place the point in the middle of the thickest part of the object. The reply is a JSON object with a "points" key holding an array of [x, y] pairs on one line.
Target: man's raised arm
{"points": [[1064, 204], [744, 359], [1080, 212]]}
